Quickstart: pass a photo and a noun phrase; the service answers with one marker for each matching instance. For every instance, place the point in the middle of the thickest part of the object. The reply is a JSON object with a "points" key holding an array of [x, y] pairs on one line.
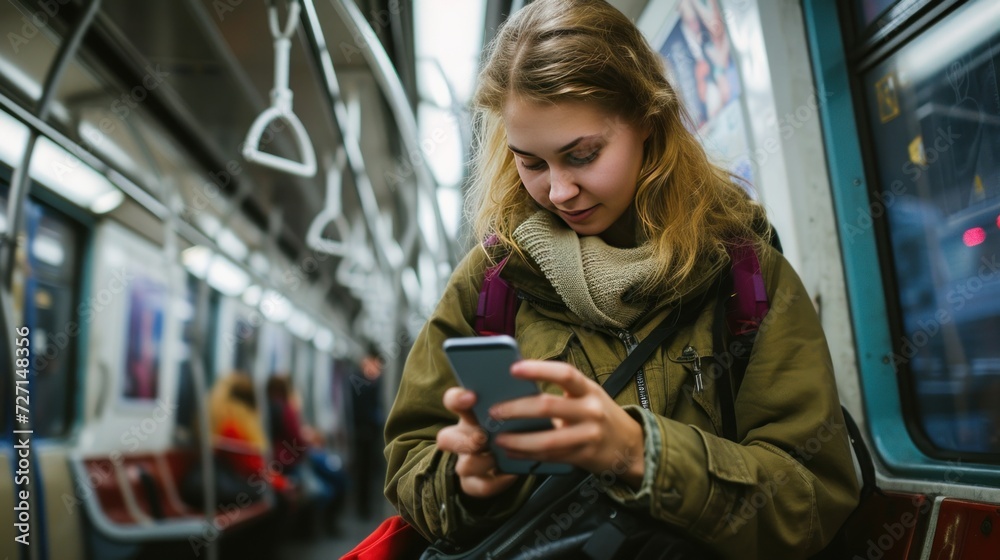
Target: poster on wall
{"points": [[701, 66], [144, 339]]}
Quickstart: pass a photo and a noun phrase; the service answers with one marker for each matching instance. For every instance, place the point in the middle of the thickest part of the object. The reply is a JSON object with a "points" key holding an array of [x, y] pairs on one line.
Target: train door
{"points": [[41, 413], [913, 145]]}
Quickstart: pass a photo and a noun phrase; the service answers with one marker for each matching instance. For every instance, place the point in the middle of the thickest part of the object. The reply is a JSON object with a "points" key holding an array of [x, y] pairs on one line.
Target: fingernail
{"points": [[466, 398]]}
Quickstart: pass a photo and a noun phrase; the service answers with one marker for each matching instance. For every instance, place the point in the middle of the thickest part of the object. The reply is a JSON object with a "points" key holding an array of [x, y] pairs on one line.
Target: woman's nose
{"points": [[562, 186]]}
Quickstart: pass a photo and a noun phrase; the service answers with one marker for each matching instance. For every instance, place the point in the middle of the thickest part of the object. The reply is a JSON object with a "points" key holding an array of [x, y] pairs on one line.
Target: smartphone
{"points": [[482, 365]]}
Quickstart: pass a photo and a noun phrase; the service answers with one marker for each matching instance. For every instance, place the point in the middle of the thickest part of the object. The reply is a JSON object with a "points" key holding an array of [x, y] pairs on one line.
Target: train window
{"points": [[876, 20], [246, 345], [867, 11], [53, 264], [303, 367], [45, 295], [187, 402], [934, 114]]}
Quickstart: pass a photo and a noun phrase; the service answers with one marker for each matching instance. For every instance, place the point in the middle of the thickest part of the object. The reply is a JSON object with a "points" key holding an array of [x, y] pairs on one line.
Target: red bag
{"points": [[394, 539]]}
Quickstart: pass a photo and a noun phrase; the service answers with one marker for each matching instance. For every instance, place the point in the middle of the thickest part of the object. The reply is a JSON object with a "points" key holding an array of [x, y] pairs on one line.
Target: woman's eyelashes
{"points": [[572, 159], [533, 166], [582, 160]]}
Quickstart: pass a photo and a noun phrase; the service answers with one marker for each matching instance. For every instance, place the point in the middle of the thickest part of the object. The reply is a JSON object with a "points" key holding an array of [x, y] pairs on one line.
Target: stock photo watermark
{"points": [[22, 433], [32, 24]]}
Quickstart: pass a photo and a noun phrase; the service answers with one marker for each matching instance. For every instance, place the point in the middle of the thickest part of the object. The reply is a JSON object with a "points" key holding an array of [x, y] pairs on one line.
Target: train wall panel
{"points": [[131, 373]]}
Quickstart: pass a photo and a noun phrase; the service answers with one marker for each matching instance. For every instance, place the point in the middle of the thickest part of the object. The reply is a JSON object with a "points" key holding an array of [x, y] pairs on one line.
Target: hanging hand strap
{"points": [[331, 214], [281, 104]]}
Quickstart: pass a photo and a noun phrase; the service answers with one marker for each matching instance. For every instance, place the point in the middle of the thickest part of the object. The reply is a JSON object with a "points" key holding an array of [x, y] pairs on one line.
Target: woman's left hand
{"points": [[591, 430]]}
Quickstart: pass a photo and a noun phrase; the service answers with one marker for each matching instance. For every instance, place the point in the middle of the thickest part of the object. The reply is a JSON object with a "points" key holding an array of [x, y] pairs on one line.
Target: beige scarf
{"points": [[593, 278]]}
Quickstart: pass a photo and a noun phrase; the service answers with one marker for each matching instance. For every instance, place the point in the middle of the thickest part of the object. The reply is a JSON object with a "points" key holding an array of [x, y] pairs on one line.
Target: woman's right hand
{"points": [[476, 467]]}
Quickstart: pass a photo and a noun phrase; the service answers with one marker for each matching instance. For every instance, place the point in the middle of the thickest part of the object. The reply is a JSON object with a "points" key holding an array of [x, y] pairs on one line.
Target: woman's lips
{"points": [[577, 216]]}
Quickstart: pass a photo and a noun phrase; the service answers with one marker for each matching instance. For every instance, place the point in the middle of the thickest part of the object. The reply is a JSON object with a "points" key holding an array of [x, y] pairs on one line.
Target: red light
{"points": [[974, 236], [998, 221]]}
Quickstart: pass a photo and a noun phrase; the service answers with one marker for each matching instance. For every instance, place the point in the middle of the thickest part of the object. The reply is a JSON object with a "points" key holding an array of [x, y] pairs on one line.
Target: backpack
{"points": [[738, 318]]}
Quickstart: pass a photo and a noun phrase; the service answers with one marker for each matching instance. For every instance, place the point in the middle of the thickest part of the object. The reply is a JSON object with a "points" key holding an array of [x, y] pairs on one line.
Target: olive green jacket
{"points": [[782, 491]]}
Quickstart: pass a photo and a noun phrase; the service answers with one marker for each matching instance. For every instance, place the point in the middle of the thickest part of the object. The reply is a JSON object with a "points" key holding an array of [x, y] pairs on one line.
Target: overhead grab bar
{"points": [[281, 103], [331, 213], [358, 264]]}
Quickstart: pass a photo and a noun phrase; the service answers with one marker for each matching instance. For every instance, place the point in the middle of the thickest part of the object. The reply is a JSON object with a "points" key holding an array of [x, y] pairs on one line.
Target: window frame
{"points": [[83, 224], [865, 270]]}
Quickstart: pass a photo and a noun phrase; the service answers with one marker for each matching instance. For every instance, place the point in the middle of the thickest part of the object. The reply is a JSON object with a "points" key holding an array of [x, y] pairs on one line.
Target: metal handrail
{"points": [[385, 74], [352, 149], [389, 82], [132, 190], [14, 211]]}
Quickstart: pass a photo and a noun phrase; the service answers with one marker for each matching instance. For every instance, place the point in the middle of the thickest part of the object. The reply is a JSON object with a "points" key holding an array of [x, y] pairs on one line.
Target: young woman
{"points": [[612, 216]]}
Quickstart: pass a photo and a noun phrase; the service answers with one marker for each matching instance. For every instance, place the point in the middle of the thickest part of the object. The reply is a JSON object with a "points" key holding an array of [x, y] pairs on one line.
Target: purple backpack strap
{"points": [[743, 314], [497, 301], [749, 303]]}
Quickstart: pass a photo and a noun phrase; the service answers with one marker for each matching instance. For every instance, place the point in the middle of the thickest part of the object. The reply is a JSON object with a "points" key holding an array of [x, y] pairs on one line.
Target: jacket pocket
{"points": [[544, 340], [552, 340]]}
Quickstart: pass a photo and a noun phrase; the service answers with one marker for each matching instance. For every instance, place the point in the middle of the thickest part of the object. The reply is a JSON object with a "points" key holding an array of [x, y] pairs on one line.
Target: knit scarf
{"points": [[594, 279]]}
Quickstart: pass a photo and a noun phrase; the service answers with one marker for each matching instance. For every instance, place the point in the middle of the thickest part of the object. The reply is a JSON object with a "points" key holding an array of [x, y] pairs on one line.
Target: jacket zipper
{"points": [[640, 377], [627, 338]]}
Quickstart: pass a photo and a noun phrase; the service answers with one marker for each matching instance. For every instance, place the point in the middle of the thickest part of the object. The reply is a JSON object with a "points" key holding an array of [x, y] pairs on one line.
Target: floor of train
{"points": [[331, 543], [324, 537]]}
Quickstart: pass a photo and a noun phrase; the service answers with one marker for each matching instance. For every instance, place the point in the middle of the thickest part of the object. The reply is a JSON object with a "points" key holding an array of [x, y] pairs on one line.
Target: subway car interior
{"points": [[210, 205]]}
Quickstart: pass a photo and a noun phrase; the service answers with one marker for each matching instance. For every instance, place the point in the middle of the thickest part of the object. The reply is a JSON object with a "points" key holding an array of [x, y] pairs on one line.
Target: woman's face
{"points": [[579, 162]]}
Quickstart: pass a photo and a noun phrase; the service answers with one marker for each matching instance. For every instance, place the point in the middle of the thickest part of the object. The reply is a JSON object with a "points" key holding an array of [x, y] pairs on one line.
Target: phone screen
{"points": [[482, 365]]}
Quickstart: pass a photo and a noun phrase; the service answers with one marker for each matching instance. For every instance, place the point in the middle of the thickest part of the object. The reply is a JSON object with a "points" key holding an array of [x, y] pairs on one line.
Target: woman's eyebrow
{"points": [[565, 148], [519, 151]]}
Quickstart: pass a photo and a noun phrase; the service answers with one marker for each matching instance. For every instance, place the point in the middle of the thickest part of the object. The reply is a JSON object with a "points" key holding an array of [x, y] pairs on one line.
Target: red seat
{"points": [[890, 526], [966, 530], [102, 478], [144, 487]]}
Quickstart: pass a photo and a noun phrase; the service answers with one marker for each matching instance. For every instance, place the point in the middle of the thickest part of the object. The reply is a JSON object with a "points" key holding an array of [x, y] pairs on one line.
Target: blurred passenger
{"points": [[239, 443], [237, 431], [367, 421], [610, 218], [302, 453], [287, 439]]}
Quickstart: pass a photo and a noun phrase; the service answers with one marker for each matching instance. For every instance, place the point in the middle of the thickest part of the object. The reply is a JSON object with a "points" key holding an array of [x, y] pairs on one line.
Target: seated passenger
{"points": [[240, 446], [612, 216], [286, 429], [302, 454]]}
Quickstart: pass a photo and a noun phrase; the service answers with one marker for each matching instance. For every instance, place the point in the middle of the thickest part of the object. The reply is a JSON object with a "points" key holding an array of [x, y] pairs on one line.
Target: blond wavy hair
{"points": [[556, 51]]}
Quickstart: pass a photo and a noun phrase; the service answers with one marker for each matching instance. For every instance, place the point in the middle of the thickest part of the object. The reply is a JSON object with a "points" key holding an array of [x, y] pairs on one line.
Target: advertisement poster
{"points": [[144, 339], [701, 66]]}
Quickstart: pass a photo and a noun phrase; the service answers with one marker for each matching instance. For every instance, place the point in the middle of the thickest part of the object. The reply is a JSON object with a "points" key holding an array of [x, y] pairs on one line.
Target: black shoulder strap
{"points": [[662, 334], [730, 367], [863, 454]]}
